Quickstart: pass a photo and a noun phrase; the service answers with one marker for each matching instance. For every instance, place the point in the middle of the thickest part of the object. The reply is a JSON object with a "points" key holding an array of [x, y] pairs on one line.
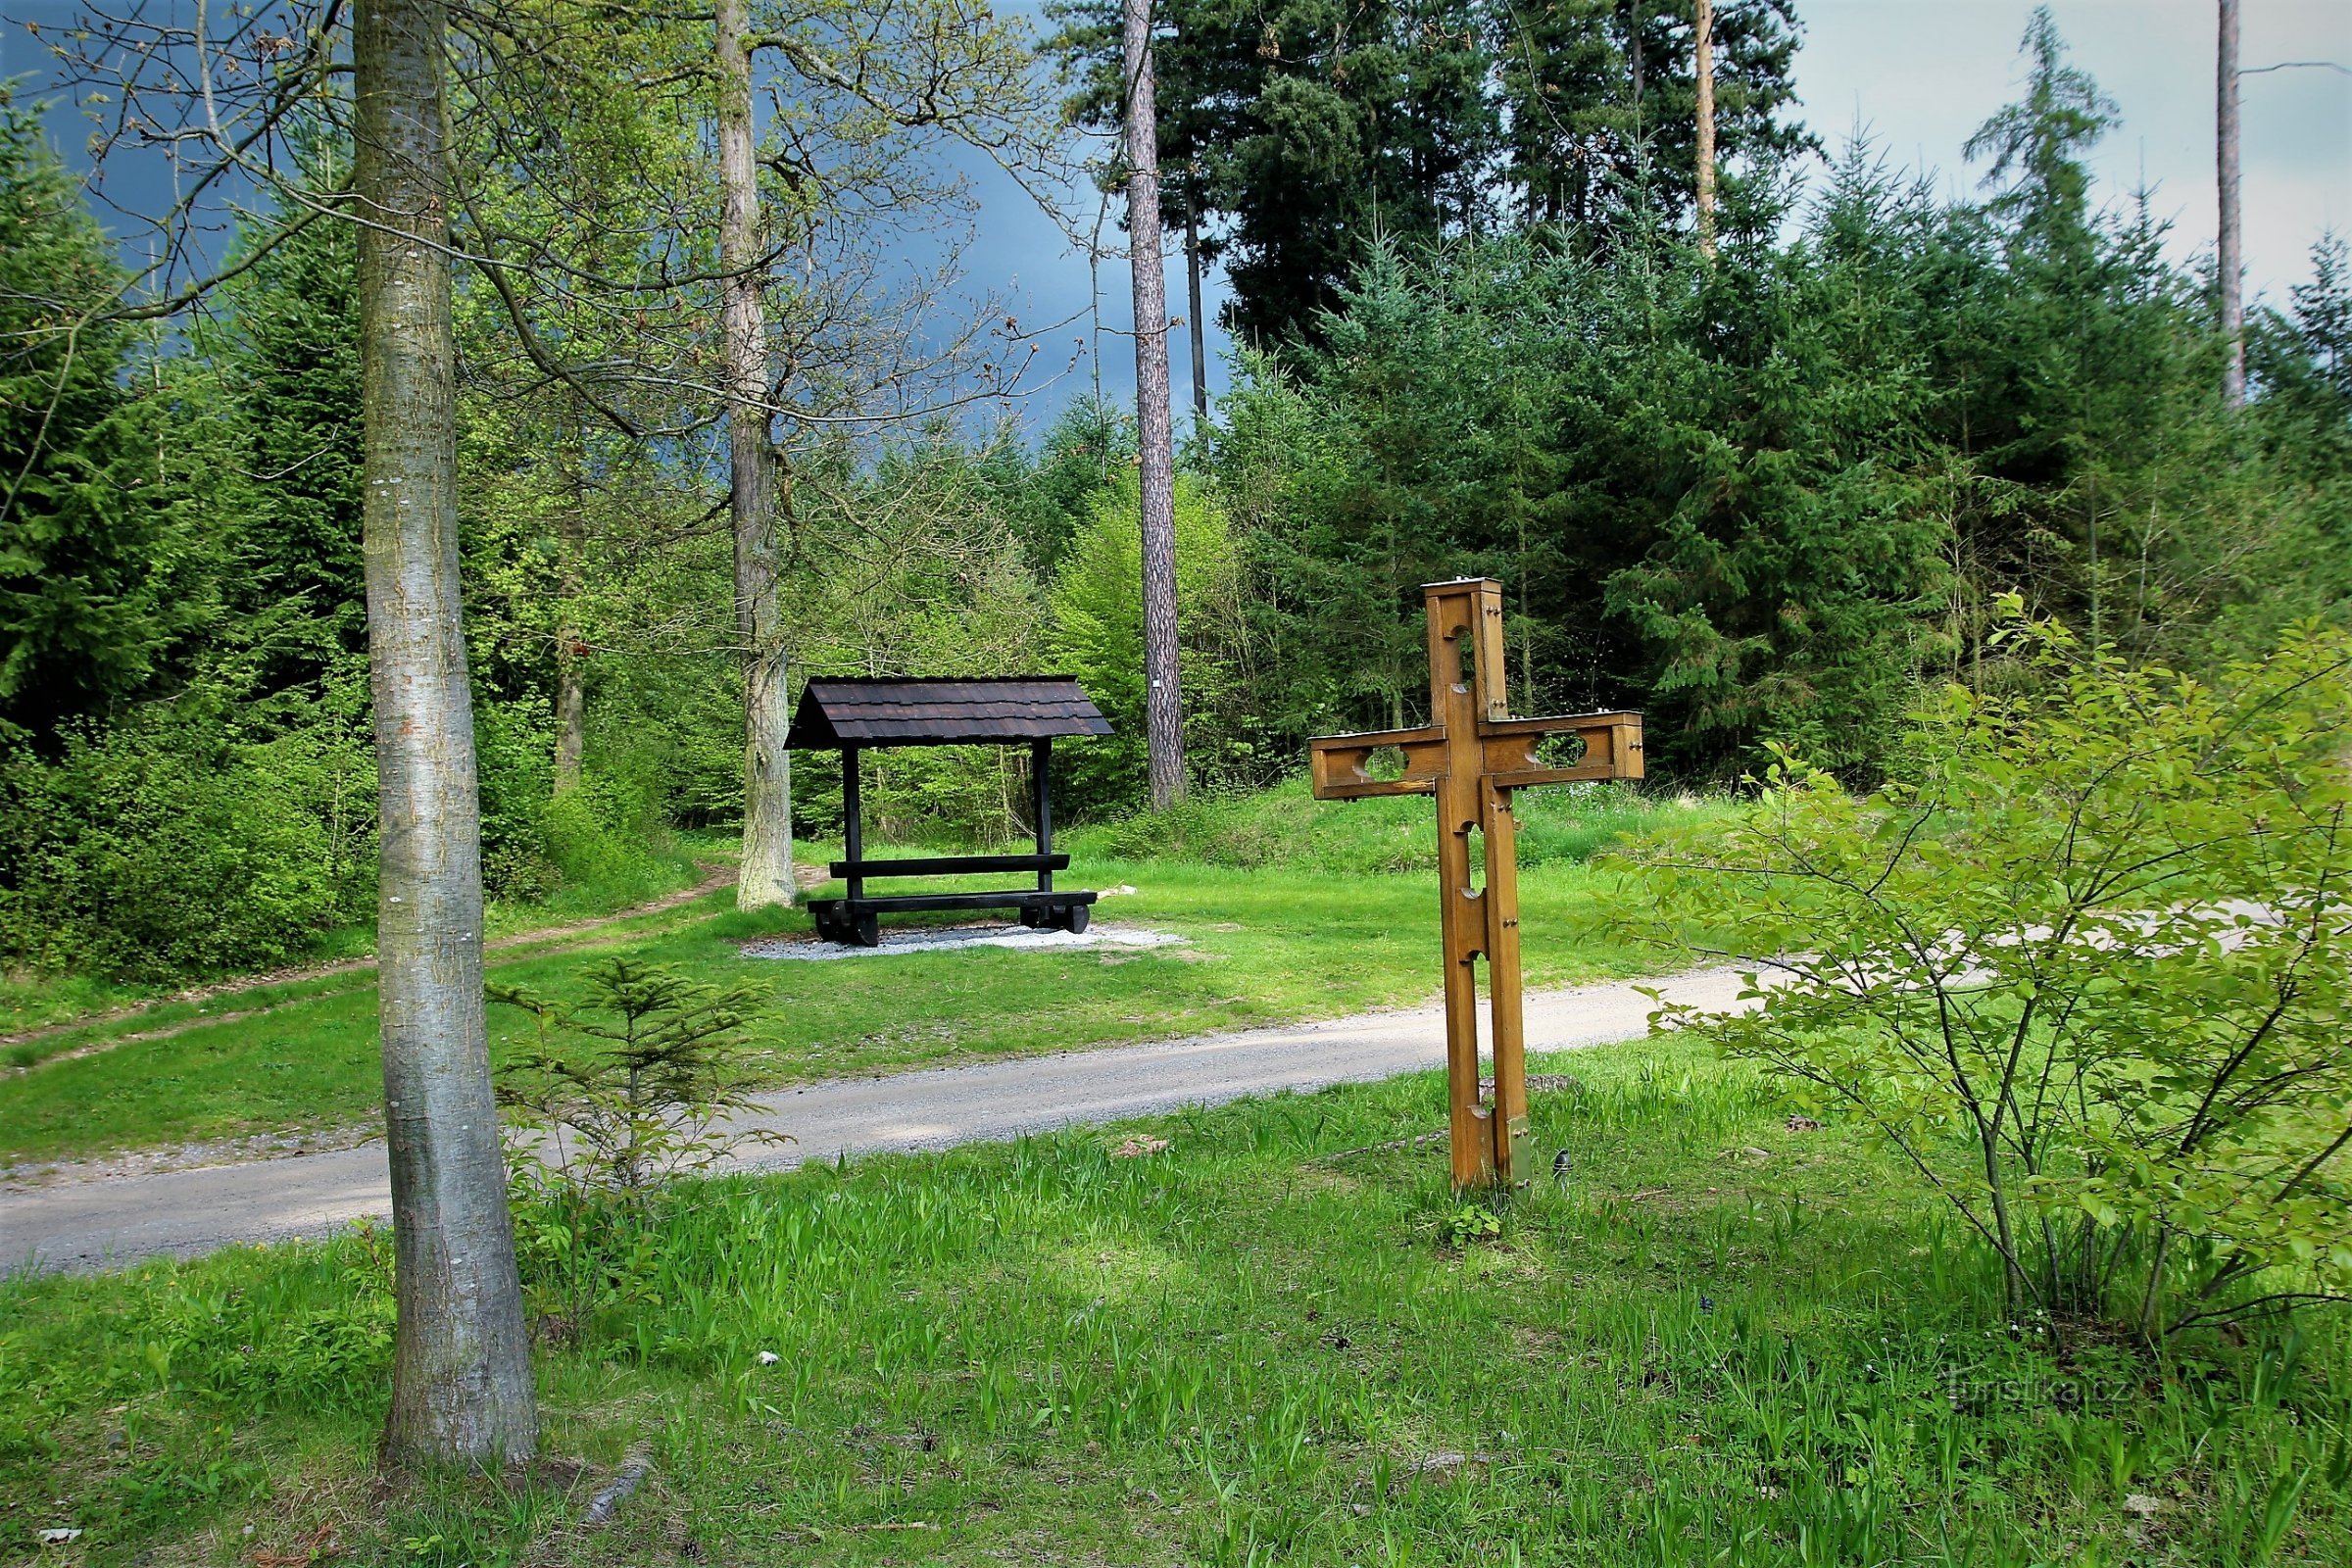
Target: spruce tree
{"points": [[104, 570]]}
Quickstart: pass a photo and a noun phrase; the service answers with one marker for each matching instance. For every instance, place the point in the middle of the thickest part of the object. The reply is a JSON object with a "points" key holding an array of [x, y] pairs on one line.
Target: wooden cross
{"points": [[1471, 756]]}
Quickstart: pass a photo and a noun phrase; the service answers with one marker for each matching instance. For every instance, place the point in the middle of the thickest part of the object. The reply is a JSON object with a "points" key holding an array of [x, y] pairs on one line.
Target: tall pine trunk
{"points": [[1704, 28], [1163, 705], [2228, 262], [461, 1362], [1633, 34], [765, 877], [1192, 301]]}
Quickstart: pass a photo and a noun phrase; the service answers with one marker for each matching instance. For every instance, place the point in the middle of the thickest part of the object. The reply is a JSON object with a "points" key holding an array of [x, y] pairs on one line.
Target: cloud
{"points": [[1922, 74]]}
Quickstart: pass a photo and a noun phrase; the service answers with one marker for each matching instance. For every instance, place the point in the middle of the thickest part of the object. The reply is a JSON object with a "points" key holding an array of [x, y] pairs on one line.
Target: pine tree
{"points": [[105, 574], [283, 337]]}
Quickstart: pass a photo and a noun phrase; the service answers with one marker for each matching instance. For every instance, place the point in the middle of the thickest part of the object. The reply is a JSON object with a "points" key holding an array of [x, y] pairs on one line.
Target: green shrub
{"points": [[169, 847], [595, 837], [1096, 634], [2088, 968]]}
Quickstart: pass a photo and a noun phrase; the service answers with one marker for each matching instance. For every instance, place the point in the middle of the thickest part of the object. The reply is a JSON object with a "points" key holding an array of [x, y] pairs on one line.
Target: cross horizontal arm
{"points": [[1612, 749], [1341, 764]]}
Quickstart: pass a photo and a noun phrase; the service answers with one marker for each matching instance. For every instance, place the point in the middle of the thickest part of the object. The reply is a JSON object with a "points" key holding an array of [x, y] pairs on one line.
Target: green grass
{"points": [[1285, 826], [1719, 1341], [1277, 943], [32, 1002]]}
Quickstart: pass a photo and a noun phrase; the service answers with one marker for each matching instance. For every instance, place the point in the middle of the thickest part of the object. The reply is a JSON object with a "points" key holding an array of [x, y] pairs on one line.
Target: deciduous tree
{"points": [[461, 1367]]}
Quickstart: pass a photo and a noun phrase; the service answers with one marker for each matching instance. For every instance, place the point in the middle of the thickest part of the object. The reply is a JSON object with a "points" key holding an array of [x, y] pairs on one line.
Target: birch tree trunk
{"points": [[2229, 261], [461, 1365], [765, 877], [1704, 26], [1163, 708]]}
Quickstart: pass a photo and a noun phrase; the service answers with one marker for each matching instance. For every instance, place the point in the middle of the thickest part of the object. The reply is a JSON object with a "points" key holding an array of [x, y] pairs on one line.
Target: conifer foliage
{"points": [[1771, 495], [102, 578]]}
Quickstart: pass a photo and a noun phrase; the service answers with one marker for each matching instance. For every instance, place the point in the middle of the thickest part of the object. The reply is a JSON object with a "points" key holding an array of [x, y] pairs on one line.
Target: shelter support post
{"points": [[1040, 759], [853, 831]]}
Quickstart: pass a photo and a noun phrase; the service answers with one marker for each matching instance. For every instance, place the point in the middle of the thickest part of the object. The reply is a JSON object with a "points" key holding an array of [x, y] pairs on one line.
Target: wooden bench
{"points": [[857, 918], [948, 865]]}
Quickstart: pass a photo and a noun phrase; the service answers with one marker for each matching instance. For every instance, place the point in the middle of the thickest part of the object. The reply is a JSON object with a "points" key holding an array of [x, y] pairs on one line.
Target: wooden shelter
{"points": [[851, 714]]}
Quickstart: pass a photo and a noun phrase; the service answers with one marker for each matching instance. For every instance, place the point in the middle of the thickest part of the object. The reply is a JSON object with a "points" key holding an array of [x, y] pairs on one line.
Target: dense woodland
{"points": [[1767, 495]]}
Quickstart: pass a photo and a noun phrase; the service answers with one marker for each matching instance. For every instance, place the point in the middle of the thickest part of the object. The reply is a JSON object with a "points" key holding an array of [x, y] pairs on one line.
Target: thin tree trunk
{"points": [[1705, 29], [571, 690], [572, 711], [2227, 261], [1164, 702], [1192, 290], [765, 877], [461, 1360], [1634, 53], [2151, 1296]]}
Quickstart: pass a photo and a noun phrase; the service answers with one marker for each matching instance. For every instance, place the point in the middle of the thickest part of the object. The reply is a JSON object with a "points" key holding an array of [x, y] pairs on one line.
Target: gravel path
{"points": [[109, 1221]]}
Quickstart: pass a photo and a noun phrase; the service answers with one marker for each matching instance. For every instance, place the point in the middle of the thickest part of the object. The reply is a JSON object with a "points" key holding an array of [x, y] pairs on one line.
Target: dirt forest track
{"points": [[109, 1221], [551, 939]]}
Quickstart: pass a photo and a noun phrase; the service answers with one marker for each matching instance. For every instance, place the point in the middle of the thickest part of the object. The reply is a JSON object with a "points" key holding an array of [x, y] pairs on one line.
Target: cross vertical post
{"points": [[1471, 756]]}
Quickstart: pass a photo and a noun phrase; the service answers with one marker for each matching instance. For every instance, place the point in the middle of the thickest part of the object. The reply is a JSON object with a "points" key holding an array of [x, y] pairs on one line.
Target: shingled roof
{"points": [[839, 711]]}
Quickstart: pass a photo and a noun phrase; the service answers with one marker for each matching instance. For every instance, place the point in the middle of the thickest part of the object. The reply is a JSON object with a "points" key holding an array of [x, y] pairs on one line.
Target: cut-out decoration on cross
{"points": [[1471, 756]]}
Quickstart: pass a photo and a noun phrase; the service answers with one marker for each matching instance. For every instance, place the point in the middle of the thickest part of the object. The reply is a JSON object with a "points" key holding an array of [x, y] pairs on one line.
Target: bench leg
{"points": [[1073, 920]]}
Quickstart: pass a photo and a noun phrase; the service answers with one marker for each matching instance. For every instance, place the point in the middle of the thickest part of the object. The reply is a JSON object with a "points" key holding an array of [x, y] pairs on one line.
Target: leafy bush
{"points": [[2089, 967], [536, 843], [1098, 635], [169, 847], [172, 844]]}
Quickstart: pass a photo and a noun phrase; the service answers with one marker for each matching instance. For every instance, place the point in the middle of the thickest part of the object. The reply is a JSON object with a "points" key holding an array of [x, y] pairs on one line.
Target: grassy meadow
{"points": [[46, 1005], [1722, 1337], [1292, 908]]}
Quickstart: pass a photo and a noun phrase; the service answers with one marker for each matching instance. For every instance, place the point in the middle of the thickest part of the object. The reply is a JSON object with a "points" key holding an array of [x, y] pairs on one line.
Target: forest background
{"points": [[1770, 494]]}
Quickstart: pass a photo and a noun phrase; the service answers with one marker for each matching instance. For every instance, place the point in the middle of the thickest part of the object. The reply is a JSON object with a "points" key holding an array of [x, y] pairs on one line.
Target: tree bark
{"points": [[571, 689], [765, 877], [1633, 31], [1163, 710], [572, 711], [1704, 26], [1192, 291], [461, 1363], [2229, 263]]}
